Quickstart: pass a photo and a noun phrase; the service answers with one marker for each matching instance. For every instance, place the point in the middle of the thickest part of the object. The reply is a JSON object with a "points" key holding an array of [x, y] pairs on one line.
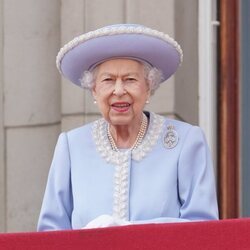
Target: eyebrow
{"points": [[111, 74]]}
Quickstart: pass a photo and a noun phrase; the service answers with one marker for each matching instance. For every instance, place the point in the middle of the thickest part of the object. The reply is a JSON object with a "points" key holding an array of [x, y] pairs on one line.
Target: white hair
{"points": [[153, 77]]}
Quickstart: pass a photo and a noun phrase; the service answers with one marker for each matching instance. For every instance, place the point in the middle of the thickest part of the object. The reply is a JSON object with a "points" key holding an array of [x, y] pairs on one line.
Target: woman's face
{"points": [[121, 91]]}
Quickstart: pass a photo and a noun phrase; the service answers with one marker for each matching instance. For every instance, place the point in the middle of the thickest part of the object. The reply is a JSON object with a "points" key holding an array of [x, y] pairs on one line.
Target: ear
{"points": [[148, 93], [148, 88], [93, 92]]}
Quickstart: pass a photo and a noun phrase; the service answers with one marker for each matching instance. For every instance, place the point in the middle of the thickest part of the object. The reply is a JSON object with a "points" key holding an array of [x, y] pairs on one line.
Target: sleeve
{"points": [[57, 202], [197, 192]]}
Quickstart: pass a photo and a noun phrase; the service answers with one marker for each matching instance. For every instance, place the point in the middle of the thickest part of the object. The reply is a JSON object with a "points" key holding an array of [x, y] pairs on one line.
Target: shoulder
{"points": [[79, 135], [82, 129], [180, 126], [180, 132]]}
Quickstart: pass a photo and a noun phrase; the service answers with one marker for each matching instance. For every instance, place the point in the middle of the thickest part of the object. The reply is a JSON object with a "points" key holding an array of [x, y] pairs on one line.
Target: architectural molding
{"points": [[228, 108], [207, 72]]}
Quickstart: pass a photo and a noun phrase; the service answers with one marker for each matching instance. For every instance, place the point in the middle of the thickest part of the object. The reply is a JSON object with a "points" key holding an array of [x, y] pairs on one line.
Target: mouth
{"points": [[120, 106]]}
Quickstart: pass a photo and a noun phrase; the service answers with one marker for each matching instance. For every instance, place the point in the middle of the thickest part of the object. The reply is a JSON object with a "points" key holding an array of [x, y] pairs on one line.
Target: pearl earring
{"points": [[94, 101], [147, 102]]}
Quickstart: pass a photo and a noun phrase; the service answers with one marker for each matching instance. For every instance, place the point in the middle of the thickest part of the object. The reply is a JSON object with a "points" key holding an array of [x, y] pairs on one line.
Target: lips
{"points": [[120, 106]]}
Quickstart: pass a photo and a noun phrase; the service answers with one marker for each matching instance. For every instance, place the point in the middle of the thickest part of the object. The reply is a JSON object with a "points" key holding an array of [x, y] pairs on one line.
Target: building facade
{"points": [[37, 104]]}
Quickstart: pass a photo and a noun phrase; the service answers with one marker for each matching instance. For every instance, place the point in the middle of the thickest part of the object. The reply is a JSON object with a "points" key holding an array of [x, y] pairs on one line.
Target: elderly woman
{"points": [[130, 166]]}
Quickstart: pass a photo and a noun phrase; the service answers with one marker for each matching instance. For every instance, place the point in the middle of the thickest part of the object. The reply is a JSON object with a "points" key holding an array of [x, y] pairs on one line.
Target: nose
{"points": [[119, 89]]}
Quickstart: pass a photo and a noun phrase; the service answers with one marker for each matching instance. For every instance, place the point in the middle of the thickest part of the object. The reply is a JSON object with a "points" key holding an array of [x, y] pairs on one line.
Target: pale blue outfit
{"points": [[153, 183]]}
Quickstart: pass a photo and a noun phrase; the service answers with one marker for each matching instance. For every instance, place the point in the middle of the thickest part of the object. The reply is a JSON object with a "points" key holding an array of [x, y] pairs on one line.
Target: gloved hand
{"points": [[105, 221]]}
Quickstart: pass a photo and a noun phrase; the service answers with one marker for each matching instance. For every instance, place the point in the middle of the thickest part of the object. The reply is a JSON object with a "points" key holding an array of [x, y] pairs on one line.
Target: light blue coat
{"points": [[157, 182]]}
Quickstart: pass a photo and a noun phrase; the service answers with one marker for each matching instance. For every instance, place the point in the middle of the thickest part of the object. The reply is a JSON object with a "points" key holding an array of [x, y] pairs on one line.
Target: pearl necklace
{"points": [[139, 138]]}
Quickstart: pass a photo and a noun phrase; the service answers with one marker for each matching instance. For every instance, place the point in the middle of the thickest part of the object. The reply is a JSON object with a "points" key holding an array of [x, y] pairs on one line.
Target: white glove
{"points": [[105, 221]]}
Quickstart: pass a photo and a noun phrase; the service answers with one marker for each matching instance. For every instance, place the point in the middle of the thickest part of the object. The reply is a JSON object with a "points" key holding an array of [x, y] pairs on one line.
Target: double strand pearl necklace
{"points": [[139, 138]]}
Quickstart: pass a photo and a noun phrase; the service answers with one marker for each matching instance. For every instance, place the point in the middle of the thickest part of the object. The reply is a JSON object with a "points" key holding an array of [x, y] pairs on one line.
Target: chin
{"points": [[119, 121]]}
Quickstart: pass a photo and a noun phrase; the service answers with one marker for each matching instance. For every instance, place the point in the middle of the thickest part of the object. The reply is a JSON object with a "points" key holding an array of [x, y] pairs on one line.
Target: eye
{"points": [[107, 80], [130, 79]]}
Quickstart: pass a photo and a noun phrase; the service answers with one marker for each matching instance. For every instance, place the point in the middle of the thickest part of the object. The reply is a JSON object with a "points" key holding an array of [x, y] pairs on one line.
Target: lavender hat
{"points": [[119, 41]]}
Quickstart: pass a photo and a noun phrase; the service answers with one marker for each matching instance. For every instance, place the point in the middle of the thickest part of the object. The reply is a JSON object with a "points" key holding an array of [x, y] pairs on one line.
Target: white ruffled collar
{"points": [[117, 157]]}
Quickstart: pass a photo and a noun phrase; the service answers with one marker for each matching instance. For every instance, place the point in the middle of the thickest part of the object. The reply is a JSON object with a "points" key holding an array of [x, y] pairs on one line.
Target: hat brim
{"points": [[153, 50]]}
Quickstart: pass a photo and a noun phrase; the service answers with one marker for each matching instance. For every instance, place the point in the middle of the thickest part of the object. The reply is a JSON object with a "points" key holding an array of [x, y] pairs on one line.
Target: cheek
{"points": [[102, 100], [141, 93], [103, 91], [103, 106], [101, 94]]}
